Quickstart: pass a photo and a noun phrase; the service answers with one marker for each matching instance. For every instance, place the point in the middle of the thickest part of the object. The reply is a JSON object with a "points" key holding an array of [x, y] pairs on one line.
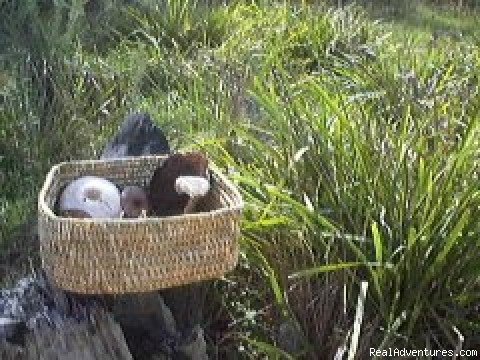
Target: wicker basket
{"points": [[94, 256]]}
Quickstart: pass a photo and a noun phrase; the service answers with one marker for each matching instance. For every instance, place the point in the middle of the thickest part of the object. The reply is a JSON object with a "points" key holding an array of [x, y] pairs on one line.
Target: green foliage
{"points": [[412, 203], [355, 146]]}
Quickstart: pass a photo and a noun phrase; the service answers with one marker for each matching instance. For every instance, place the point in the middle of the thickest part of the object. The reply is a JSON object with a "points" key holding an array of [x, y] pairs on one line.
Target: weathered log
{"points": [[98, 337], [50, 324]]}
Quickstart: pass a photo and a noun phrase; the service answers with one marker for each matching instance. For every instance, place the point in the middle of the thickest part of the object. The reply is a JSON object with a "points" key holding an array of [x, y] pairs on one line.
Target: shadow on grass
{"points": [[431, 20]]}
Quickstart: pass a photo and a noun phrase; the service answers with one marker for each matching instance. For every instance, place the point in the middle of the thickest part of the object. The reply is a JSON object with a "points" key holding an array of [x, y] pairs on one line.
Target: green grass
{"points": [[354, 143], [448, 21]]}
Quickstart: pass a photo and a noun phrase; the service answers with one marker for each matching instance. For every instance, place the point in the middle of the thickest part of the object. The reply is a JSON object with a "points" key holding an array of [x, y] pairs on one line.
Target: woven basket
{"points": [[94, 256]]}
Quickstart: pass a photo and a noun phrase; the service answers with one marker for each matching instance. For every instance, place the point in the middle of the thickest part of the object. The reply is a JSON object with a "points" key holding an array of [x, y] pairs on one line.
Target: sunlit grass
{"points": [[354, 143]]}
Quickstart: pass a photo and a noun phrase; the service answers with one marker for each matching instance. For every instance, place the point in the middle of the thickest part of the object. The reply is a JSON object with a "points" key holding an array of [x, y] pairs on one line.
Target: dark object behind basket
{"points": [[137, 136]]}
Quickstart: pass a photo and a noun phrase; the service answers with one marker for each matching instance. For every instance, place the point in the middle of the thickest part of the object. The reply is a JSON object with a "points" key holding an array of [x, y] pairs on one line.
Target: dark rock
{"points": [[137, 136]]}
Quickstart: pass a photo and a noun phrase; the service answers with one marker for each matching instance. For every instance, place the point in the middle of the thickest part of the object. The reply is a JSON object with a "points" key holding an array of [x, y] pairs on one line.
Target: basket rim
{"points": [[43, 206]]}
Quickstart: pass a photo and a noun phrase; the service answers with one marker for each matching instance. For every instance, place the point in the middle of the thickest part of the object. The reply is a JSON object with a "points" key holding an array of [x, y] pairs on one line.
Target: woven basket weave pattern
{"points": [[135, 255]]}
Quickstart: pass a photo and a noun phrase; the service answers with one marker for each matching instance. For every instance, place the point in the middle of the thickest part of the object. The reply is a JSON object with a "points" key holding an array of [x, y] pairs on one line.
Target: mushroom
{"points": [[163, 199], [195, 187], [90, 196], [134, 201]]}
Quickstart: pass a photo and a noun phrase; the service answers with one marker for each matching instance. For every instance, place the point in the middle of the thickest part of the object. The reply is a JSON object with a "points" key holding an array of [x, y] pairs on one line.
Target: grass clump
{"points": [[355, 147]]}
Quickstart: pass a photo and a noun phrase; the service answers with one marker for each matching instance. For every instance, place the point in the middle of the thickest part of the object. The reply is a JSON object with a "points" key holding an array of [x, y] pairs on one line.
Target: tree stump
{"points": [[46, 323]]}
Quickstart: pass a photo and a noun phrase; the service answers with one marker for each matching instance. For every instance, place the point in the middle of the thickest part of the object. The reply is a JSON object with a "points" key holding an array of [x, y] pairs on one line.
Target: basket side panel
{"points": [[102, 259]]}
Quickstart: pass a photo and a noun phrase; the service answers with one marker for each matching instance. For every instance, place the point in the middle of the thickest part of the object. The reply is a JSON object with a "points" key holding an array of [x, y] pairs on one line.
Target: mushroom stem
{"points": [[190, 207]]}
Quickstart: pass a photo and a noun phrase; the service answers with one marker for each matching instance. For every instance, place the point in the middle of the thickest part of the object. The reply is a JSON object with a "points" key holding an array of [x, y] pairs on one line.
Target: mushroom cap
{"points": [[193, 186], [94, 196], [133, 200]]}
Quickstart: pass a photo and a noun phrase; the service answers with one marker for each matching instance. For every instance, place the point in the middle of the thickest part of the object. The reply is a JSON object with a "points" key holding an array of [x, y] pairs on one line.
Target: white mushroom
{"points": [[93, 196], [193, 186]]}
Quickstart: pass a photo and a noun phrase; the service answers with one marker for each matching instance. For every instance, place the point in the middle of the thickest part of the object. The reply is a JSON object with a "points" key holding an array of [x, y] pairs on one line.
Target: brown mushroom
{"points": [[163, 198], [134, 201]]}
